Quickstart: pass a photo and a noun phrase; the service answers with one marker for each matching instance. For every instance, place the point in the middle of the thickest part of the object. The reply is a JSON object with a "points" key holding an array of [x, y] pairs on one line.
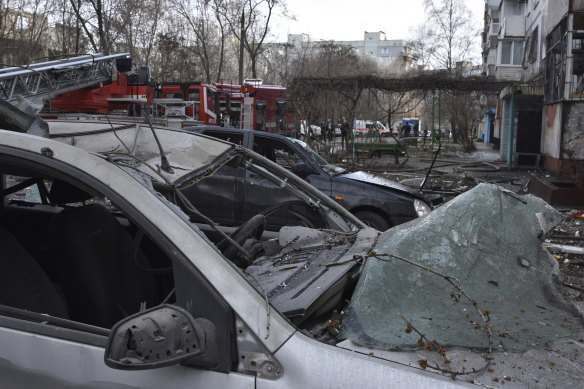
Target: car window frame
{"points": [[64, 329]]}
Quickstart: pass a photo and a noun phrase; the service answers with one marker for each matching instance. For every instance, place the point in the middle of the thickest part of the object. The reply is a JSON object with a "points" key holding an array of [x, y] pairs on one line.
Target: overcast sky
{"points": [[348, 19]]}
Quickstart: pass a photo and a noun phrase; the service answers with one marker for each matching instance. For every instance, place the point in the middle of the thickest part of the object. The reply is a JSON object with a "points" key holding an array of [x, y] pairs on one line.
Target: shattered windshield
{"points": [[320, 161], [472, 274]]}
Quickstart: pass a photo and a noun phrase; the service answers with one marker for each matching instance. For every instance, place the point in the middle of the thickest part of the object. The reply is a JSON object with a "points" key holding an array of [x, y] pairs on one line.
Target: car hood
{"points": [[382, 182]]}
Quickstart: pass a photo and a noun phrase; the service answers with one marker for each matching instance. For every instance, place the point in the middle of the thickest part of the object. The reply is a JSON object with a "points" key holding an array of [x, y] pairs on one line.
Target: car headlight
{"points": [[422, 209]]}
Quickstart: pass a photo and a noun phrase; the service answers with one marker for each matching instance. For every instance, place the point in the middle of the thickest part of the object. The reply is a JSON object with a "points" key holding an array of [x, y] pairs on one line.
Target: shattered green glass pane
{"points": [[490, 240]]}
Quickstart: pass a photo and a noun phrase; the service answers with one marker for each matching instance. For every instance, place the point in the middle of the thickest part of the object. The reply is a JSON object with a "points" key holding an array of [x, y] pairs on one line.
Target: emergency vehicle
{"points": [[127, 91], [256, 106], [179, 104], [200, 102]]}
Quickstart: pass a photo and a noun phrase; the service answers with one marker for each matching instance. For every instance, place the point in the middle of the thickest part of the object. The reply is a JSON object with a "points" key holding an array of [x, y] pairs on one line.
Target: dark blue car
{"points": [[378, 202]]}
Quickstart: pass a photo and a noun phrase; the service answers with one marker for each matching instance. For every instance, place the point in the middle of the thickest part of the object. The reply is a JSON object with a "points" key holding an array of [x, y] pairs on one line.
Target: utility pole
{"points": [[356, 96], [440, 114], [433, 131]]}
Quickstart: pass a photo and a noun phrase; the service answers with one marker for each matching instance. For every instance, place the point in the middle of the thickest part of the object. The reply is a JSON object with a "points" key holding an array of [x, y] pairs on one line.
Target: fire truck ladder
{"points": [[56, 77]]}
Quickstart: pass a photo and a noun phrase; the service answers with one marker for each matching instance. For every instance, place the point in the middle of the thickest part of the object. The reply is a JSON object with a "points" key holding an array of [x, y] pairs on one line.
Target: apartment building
{"points": [[563, 115], [538, 46], [374, 46], [511, 40]]}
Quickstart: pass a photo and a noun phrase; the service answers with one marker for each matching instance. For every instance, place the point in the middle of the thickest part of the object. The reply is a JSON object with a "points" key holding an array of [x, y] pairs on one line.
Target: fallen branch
{"points": [[579, 289]]}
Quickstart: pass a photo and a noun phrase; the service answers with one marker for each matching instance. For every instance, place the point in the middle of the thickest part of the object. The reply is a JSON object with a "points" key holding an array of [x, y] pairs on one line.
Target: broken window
{"points": [[276, 151], [487, 242], [577, 65], [533, 47], [71, 240], [555, 63]]}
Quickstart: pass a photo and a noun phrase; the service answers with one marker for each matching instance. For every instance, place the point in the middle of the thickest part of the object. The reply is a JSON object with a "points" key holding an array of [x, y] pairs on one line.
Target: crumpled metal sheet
{"points": [[491, 241], [311, 272]]}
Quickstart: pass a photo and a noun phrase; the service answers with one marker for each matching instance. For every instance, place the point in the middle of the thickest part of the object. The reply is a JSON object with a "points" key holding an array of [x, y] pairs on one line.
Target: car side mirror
{"points": [[161, 336], [301, 169]]}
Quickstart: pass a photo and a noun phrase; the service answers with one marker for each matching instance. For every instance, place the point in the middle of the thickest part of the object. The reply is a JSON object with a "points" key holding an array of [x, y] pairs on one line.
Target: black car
{"points": [[378, 202]]}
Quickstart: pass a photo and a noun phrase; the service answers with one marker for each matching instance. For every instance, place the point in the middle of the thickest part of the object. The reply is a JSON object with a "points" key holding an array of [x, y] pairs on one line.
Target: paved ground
{"points": [[453, 172]]}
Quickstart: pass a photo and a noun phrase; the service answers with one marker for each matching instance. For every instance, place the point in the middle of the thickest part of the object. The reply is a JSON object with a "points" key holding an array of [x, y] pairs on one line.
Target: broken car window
{"points": [[320, 161], [63, 243]]}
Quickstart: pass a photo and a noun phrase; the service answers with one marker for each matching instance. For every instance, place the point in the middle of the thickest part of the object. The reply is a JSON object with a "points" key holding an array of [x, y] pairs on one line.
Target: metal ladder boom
{"points": [[56, 77]]}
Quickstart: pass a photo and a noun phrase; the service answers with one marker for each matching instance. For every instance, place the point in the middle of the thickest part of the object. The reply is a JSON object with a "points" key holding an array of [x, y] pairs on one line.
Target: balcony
{"points": [[512, 27], [508, 73], [492, 35], [494, 29]]}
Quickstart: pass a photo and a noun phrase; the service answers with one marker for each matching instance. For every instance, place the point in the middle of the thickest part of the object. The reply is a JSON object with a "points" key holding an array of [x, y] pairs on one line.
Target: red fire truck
{"points": [[256, 106], [200, 101], [252, 105], [125, 92]]}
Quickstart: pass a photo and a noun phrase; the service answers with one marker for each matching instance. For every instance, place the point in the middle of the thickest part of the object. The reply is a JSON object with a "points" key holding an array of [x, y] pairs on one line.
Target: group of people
{"points": [[407, 129], [328, 131]]}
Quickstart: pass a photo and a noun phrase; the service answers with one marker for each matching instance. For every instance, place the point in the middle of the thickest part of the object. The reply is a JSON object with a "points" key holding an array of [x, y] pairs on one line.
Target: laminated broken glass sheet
{"points": [[490, 240]]}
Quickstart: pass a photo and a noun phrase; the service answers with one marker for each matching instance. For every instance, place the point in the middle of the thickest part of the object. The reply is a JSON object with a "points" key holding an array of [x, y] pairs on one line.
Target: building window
{"points": [[556, 56], [534, 45], [511, 53]]}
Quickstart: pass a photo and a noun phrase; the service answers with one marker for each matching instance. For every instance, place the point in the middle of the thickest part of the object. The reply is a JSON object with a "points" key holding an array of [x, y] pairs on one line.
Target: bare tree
{"points": [[447, 35], [98, 18], [209, 32], [463, 111], [138, 22], [249, 22], [24, 30], [68, 34]]}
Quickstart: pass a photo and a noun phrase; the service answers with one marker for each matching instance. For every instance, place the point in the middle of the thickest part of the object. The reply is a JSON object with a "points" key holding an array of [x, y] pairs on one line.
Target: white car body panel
{"points": [[55, 363], [310, 364]]}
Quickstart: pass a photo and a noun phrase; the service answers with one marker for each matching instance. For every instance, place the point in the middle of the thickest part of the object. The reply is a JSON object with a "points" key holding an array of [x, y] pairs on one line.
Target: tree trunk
{"points": [[241, 47]]}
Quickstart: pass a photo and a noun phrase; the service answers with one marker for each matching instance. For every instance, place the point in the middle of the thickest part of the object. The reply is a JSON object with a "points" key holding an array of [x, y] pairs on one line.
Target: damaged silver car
{"points": [[112, 277]]}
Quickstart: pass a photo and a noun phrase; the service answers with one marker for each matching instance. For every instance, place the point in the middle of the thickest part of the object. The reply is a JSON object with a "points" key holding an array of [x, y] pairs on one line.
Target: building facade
{"points": [[563, 114], [374, 46], [537, 45]]}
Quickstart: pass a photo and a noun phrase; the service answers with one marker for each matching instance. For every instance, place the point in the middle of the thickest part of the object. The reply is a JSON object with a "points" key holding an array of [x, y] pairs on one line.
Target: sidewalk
{"points": [[454, 171]]}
